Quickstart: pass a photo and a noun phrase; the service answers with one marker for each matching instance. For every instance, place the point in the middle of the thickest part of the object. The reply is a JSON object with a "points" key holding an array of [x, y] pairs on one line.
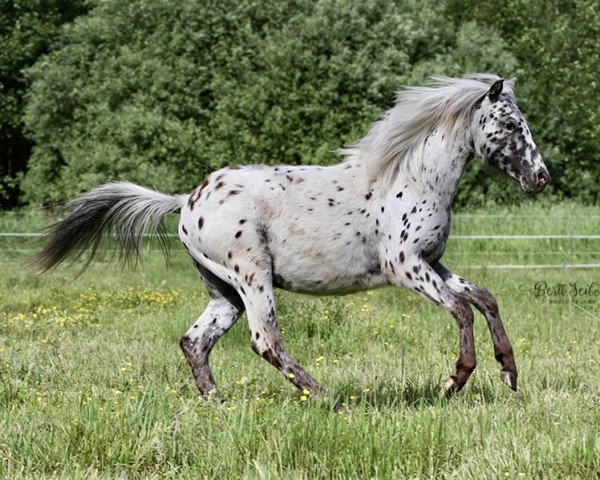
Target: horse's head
{"points": [[503, 140]]}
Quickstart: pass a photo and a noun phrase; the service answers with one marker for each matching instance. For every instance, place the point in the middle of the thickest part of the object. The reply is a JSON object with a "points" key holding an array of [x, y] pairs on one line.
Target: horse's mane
{"points": [[395, 144]]}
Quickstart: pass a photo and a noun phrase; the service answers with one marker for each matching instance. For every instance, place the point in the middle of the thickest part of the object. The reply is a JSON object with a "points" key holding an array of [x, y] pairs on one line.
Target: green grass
{"points": [[93, 384]]}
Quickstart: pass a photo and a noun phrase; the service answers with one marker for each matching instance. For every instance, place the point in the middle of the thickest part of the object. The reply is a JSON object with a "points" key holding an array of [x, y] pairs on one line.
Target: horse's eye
{"points": [[510, 126]]}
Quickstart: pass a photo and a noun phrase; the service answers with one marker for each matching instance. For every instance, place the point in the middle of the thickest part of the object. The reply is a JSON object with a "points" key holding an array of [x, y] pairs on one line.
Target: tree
{"points": [[556, 43], [163, 92], [27, 31]]}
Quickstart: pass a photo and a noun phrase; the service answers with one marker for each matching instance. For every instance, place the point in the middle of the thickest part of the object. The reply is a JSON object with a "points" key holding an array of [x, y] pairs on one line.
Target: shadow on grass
{"points": [[413, 394]]}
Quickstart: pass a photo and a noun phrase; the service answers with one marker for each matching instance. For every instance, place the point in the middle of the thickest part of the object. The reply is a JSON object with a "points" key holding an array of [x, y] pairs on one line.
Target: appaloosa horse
{"points": [[380, 217]]}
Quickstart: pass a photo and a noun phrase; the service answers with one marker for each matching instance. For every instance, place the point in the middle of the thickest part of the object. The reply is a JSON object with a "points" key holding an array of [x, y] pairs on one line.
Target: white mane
{"points": [[395, 144]]}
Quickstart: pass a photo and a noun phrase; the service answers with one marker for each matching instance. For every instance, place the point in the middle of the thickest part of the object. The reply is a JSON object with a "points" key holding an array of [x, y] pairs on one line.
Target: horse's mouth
{"points": [[531, 187]]}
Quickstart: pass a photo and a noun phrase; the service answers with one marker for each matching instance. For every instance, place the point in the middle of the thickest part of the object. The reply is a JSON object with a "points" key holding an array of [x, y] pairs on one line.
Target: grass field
{"points": [[93, 384]]}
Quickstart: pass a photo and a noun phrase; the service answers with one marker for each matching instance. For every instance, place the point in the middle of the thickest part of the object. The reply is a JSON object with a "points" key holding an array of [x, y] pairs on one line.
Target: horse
{"points": [[379, 217]]}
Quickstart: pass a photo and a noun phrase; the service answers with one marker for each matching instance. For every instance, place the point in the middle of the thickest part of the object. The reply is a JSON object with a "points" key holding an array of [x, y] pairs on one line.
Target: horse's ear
{"points": [[495, 90]]}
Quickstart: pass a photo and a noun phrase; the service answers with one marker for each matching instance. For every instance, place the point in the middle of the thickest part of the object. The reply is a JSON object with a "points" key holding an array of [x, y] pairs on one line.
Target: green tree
{"points": [[27, 30], [557, 45], [163, 92]]}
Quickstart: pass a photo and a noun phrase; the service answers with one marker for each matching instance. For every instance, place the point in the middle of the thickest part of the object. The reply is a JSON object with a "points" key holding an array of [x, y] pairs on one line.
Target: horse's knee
{"points": [[484, 300], [461, 310]]}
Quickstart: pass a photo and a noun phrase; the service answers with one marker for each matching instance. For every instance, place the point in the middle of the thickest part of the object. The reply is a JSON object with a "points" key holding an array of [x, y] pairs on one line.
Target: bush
{"points": [[162, 92]]}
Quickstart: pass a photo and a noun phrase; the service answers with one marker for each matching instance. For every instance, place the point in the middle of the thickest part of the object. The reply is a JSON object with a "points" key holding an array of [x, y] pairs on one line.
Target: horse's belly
{"points": [[322, 271]]}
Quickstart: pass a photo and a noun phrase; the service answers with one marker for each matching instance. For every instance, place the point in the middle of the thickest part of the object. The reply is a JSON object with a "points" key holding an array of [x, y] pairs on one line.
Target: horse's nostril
{"points": [[543, 178]]}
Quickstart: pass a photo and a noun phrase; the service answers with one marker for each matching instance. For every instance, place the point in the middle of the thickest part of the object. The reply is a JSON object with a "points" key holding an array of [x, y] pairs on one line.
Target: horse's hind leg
{"points": [[223, 310], [487, 305], [266, 340]]}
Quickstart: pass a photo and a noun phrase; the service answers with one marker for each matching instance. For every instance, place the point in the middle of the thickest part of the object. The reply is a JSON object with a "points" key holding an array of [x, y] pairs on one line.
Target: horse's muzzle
{"points": [[540, 179]]}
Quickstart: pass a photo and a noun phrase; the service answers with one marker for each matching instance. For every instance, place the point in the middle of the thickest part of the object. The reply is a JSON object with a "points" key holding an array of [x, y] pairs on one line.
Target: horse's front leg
{"points": [[417, 275], [488, 306]]}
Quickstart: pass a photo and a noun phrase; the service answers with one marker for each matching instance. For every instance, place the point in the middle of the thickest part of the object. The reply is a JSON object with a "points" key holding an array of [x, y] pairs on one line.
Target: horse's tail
{"points": [[118, 213]]}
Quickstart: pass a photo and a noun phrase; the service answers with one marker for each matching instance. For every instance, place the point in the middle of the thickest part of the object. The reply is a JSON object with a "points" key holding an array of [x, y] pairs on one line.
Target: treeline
{"points": [[162, 92]]}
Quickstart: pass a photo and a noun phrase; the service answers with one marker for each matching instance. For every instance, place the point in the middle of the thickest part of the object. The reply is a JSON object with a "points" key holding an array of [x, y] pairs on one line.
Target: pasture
{"points": [[93, 383]]}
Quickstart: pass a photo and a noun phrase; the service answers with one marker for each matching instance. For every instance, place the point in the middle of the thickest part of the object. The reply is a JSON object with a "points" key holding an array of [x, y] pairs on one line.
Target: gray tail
{"points": [[117, 214]]}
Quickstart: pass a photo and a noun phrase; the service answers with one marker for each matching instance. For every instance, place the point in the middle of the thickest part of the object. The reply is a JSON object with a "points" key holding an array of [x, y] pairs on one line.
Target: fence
{"points": [[461, 238]]}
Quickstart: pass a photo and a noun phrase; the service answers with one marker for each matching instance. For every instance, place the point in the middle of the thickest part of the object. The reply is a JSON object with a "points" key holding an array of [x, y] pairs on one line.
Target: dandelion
{"points": [[291, 376], [306, 392], [353, 398], [304, 398], [335, 361], [506, 474], [366, 390]]}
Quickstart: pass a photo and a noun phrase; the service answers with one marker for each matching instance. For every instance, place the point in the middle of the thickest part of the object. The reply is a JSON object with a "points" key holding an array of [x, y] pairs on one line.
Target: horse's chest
{"points": [[433, 245], [423, 235]]}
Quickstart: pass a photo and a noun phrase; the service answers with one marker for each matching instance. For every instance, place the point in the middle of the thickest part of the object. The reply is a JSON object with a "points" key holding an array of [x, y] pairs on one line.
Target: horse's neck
{"points": [[441, 169]]}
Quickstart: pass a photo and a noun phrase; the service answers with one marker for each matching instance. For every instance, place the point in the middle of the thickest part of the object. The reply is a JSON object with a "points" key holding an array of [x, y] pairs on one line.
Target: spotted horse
{"points": [[380, 217]]}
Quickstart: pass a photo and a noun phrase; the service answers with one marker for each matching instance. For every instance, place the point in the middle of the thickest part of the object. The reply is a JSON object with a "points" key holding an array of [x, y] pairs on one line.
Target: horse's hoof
{"points": [[510, 379], [451, 387]]}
